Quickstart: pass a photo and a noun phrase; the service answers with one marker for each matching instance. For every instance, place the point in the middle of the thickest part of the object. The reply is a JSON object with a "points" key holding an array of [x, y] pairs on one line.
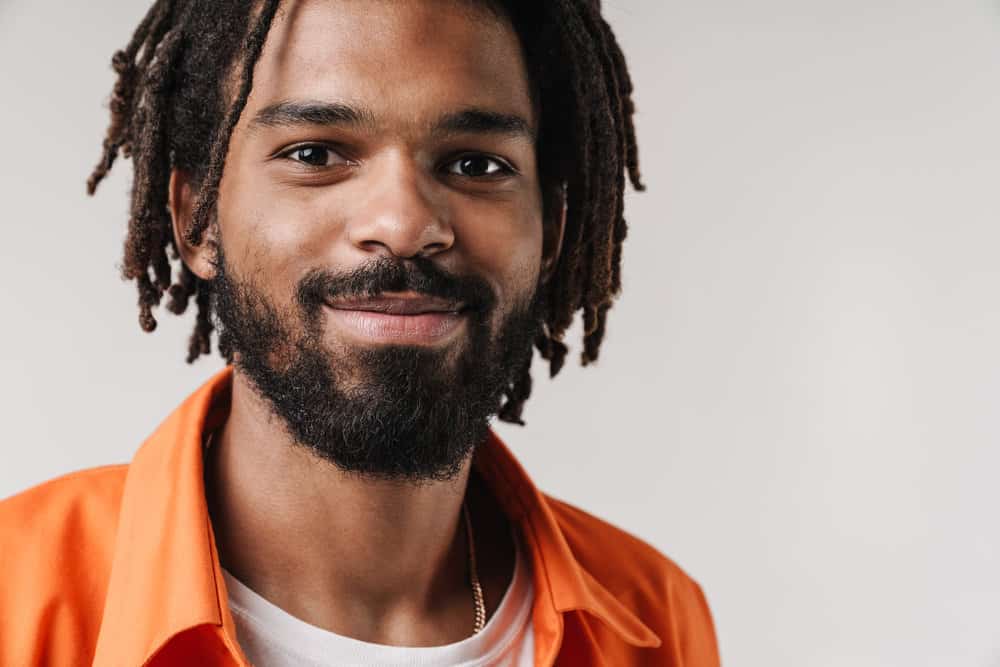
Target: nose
{"points": [[401, 213]]}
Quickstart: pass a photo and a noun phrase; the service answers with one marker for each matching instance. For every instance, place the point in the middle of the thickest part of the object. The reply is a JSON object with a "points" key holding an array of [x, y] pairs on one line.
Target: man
{"points": [[383, 206]]}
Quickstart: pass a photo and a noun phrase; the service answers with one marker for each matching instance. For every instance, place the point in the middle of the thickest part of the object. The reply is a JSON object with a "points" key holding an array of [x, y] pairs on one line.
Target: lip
{"points": [[402, 320], [402, 303]]}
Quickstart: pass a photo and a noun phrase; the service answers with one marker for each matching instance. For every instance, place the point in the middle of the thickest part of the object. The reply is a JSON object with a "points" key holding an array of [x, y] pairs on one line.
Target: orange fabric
{"points": [[117, 566]]}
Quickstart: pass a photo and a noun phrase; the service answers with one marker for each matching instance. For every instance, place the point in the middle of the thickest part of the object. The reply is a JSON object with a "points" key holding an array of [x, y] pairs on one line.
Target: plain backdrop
{"points": [[797, 397]]}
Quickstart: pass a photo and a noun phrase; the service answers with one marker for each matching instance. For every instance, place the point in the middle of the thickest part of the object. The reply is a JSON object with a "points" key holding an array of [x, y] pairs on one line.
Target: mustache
{"points": [[385, 274]]}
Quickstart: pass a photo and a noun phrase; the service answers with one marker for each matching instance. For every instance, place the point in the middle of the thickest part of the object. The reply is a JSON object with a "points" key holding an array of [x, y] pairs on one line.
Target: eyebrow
{"points": [[284, 114], [473, 120], [484, 121]]}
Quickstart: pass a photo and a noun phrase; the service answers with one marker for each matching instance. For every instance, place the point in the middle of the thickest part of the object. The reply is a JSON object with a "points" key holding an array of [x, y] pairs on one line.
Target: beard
{"points": [[394, 412]]}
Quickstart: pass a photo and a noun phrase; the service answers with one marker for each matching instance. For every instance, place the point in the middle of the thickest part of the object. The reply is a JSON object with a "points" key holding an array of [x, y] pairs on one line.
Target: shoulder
{"points": [[617, 558], [89, 488], [56, 544], [78, 508], [654, 587]]}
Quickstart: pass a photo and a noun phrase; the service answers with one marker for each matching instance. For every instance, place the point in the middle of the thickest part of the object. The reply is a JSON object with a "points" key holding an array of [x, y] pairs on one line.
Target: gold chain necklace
{"points": [[477, 589]]}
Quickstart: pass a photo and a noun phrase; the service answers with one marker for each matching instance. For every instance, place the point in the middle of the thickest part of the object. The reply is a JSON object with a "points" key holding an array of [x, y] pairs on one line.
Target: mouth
{"points": [[406, 318]]}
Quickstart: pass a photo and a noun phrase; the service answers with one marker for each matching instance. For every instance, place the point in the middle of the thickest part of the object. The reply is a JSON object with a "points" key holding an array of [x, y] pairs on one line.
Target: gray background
{"points": [[797, 396]]}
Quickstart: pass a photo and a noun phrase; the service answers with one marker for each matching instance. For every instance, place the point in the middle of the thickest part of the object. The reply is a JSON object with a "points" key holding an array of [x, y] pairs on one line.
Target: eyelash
{"points": [[287, 154], [505, 168]]}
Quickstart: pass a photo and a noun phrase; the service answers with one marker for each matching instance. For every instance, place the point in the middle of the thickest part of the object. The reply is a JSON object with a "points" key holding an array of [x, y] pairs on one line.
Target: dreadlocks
{"points": [[169, 110]]}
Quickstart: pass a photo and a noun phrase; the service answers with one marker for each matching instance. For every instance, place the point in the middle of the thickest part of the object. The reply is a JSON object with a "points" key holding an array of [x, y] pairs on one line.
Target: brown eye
{"points": [[478, 166], [314, 155]]}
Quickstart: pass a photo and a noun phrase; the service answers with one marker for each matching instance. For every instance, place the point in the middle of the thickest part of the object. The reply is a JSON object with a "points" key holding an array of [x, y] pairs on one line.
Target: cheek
{"points": [[504, 244], [270, 236]]}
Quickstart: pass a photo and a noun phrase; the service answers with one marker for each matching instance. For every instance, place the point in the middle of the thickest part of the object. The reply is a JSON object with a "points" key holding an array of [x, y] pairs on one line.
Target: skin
{"points": [[379, 561]]}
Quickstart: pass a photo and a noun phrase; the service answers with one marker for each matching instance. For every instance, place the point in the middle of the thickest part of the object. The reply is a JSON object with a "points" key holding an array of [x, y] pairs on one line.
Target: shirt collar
{"points": [[166, 577]]}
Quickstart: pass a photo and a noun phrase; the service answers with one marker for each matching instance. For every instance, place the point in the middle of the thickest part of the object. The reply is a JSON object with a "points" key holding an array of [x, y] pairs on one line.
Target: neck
{"points": [[380, 561]]}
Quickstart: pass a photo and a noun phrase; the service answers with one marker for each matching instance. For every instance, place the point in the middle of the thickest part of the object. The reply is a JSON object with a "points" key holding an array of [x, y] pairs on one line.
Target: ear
{"points": [[553, 227], [183, 196]]}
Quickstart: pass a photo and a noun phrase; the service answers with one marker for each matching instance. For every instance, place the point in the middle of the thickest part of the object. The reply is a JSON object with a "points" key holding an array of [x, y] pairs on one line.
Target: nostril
{"points": [[429, 250], [378, 249]]}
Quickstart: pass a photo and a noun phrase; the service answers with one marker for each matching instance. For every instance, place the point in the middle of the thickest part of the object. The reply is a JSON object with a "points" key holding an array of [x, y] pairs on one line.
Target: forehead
{"points": [[405, 60]]}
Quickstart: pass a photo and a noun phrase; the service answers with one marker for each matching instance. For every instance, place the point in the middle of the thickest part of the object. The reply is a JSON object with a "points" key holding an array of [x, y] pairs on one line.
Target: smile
{"points": [[412, 321]]}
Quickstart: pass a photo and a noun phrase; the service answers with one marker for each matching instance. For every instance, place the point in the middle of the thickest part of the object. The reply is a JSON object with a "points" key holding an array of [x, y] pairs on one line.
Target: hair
{"points": [[169, 110]]}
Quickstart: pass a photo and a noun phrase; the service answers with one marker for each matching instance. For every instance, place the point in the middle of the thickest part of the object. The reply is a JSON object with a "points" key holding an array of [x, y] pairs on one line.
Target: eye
{"points": [[479, 166], [314, 155]]}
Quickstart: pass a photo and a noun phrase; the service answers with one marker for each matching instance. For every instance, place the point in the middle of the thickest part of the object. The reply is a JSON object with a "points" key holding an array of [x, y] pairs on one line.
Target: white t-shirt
{"points": [[271, 637]]}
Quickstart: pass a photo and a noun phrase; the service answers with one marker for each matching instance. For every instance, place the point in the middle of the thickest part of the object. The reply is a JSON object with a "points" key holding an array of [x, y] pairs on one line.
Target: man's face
{"points": [[386, 150]]}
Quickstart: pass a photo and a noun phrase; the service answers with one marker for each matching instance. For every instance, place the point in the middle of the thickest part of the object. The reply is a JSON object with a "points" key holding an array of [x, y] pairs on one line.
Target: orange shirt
{"points": [[117, 567]]}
